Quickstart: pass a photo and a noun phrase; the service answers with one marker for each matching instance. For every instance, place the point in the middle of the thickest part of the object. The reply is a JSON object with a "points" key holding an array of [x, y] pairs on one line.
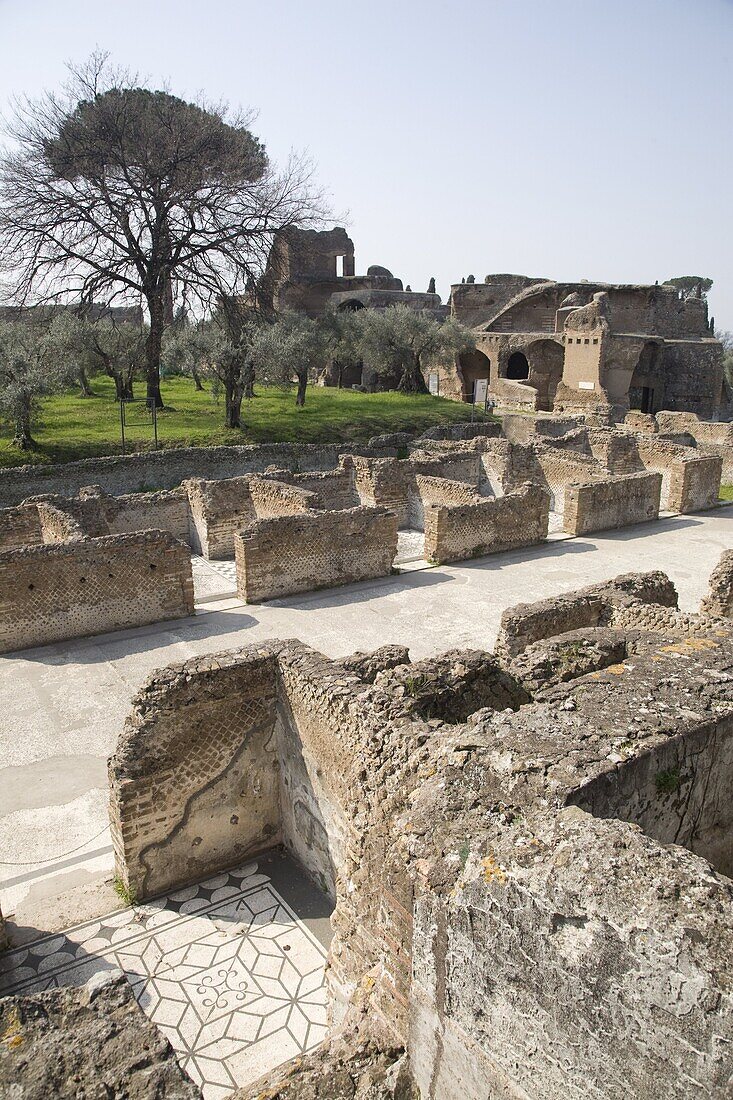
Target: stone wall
{"points": [[298, 553], [518, 944], [597, 605], [88, 1041], [719, 599], [194, 780], [615, 502], [90, 586], [677, 792], [20, 526], [166, 469], [219, 509], [457, 531]]}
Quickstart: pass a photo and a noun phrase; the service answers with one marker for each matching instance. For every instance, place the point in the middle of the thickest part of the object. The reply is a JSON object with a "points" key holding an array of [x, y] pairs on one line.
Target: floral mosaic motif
{"points": [[224, 968]]}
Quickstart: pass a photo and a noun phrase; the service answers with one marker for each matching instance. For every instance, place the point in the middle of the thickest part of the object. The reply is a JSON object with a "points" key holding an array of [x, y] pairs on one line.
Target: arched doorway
{"points": [[646, 388], [517, 368], [546, 360], [474, 365]]}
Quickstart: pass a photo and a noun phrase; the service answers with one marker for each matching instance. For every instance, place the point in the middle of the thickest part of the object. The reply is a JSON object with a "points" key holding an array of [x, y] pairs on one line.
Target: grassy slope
{"points": [[726, 492], [70, 426]]}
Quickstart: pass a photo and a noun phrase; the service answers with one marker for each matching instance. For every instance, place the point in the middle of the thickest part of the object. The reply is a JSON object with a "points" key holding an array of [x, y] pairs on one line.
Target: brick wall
{"points": [[20, 526], [288, 554], [166, 469], [219, 509], [615, 502], [194, 780], [67, 590], [455, 532]]}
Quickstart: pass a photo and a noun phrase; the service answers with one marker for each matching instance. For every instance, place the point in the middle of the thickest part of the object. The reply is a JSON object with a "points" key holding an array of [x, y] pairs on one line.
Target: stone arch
{"points": [[473, 365], [350, 306], [546, 363], [646, 385], [517, 367]]}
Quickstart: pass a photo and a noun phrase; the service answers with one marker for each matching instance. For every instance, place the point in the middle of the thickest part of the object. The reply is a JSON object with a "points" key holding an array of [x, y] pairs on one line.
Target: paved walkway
{"points": [[62, 706]]}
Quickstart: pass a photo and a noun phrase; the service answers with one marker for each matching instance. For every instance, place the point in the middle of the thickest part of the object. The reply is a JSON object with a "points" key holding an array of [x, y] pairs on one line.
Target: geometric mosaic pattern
{"points": [[224, 968], [213, 579]]}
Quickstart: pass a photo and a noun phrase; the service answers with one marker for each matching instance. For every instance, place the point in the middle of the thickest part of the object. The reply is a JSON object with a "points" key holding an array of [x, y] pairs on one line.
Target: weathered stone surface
{"points": [[368, 665], [91, 1043], [353, 1065], [566, 657], [719, 600]]}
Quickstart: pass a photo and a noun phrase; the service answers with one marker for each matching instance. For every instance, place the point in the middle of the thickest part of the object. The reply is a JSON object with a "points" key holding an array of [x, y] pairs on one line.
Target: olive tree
{"points": [[399, 343], [115, 191], [114, 348], [294, 347], [220, 351], [34, 361]]}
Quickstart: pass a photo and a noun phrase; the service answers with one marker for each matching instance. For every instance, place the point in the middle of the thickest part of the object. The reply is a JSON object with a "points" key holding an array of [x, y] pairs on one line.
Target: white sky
{"points": [[573, 139]]}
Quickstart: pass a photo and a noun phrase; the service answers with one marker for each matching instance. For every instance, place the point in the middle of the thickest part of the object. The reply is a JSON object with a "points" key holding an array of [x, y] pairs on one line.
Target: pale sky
{"points": [[574, 139]]}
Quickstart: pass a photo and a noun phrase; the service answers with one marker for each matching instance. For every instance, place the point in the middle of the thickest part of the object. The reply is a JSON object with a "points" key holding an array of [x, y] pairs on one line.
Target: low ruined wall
{"points": [[527, 623], [678, 792], [67, 590], [616, 502], [58, 524], [333, 487], [437, 490], [166, 469], [163, 511], [288, 554], [595, 968], [719, 599], [219, 509], [694, 484], [194, 779], [20, 526], [456, 532], [383, 483], [711, 437]]}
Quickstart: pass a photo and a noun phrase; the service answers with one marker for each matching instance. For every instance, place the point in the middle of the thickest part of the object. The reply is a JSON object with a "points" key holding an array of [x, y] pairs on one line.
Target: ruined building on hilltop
{"points": [[540, 344]]}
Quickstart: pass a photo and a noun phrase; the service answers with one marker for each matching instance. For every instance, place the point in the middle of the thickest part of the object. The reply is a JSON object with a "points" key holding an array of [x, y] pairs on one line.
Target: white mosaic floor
{"points": [[410, 546], [224, 968], [213, 579]]}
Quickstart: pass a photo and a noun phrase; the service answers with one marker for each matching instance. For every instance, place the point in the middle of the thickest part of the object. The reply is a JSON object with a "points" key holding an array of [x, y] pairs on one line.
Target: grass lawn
{"points": [[70, 427], [726, 492]]}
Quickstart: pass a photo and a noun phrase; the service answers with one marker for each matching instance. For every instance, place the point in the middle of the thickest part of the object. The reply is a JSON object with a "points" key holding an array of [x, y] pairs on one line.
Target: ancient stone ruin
{"points": [[81, 558], [499, 834]]}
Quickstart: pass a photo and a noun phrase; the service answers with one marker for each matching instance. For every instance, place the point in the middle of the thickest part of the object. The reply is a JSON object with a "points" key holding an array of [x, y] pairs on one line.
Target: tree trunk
{"points": [[23, 439], [84, 386], [300, 396], [123, 385], [249, 382], [196, 378], [232, 406], [156, 308], [412, 380]]}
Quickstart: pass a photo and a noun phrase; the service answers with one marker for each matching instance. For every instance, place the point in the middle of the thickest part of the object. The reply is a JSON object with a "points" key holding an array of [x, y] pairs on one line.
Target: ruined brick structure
{"points": [[586, 347], [337, 521], [528, 852]]}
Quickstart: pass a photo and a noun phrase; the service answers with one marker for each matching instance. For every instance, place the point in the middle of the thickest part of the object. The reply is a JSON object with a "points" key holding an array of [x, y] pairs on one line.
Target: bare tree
{"points": [[113, 191]]}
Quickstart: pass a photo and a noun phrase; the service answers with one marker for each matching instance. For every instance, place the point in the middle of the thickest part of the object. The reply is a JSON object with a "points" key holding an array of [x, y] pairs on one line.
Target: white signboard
{"points": [[433, 382], [586, 385], [480, 391]]}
